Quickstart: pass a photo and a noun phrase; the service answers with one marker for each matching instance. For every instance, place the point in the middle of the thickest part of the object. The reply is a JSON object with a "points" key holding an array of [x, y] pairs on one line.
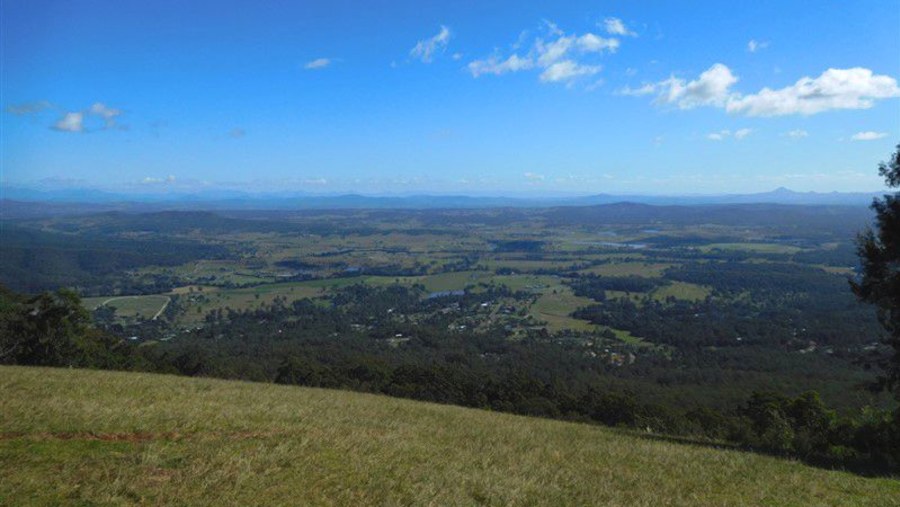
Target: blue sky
{"points": [[449, 97]]}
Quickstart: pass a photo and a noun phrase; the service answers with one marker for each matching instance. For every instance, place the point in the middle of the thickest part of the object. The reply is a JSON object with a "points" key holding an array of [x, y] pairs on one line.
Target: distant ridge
{"points": [[12, 197]]}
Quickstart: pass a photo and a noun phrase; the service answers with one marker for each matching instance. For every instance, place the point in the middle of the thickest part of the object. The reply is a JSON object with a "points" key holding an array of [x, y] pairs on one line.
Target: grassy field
{"points": [[556, 309], [144, 307], [775, 248], [682, 290], [101, 438], [646, 269]]}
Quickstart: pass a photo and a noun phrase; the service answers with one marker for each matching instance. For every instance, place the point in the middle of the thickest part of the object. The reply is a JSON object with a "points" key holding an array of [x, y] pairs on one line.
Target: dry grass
{"points": [[86, 438]]}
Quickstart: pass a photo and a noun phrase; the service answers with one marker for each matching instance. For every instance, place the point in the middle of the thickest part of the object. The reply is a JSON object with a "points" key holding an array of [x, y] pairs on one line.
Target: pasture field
{"points": [[682, 290], [555, 307], [97, 438], [775, 248], [645, 269], [142, 307]]}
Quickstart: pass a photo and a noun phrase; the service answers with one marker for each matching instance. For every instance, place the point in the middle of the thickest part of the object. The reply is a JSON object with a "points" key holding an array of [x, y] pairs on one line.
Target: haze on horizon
{"points": [[500, 98]]}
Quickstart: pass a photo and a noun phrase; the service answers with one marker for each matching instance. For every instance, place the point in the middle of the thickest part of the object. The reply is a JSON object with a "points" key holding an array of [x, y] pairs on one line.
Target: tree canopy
{"points": [[879, 251]]}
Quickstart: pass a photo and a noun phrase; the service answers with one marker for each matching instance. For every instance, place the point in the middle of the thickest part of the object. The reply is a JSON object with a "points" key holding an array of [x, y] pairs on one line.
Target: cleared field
{"points": [[556, 309], [528, 265], [91, 437], [682, 290], [145, 307], [535, 283], [775, 248], [837, 270], [646, 269], [453, 281], [630, 339]]}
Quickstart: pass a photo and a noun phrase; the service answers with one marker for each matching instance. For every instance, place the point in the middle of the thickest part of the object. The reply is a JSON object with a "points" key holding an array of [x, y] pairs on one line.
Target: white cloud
{"points": [[566, 70], [725, 134], [315, 182], [559, 57], [718, 136], [457, 56], [425, 50], [533, 177], [596, 84], [28, 108], [107, 113], [237, 133], [754, 45], [615, 26], [70, 122], [711, 88], [646, 89], [552, 51], [493, 65], [74, 121], [591, 43], [855, 88], [797, 134], [742, 133], [318, 63], [868, 136]]}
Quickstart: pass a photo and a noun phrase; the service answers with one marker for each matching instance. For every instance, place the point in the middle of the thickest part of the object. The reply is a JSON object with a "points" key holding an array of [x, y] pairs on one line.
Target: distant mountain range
{"points": [[90, 200]]}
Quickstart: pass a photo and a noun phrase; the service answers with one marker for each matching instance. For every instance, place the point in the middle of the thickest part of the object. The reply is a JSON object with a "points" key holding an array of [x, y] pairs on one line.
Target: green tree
{"points": [[879, 252], [53, 329], [45, 330]]}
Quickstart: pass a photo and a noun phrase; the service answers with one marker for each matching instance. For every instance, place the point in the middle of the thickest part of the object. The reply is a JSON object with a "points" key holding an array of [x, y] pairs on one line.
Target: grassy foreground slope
{"points": [[92, 437]]}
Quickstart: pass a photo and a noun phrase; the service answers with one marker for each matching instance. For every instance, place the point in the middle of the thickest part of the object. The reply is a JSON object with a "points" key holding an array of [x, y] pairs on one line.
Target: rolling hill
{"points": [[92, 437]]}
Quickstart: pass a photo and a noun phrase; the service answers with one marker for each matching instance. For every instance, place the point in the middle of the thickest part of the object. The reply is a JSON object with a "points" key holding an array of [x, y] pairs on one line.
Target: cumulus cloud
{"points": [[797, 134], [711, 88], [318, 63], [425, 49], [28, 108], [74, 121], [855, 88], [725, 134], [868, 135], [590, 43], [742, 133], [718, 136], [70, 122], [754, 45], [493, 65], [108, 114], [615, 26], [559, 57], [646, 89], [566, 70]]}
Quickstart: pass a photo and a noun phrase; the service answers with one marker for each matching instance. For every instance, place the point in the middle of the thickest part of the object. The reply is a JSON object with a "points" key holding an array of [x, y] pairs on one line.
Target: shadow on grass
{"points": [[857, 467]]}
